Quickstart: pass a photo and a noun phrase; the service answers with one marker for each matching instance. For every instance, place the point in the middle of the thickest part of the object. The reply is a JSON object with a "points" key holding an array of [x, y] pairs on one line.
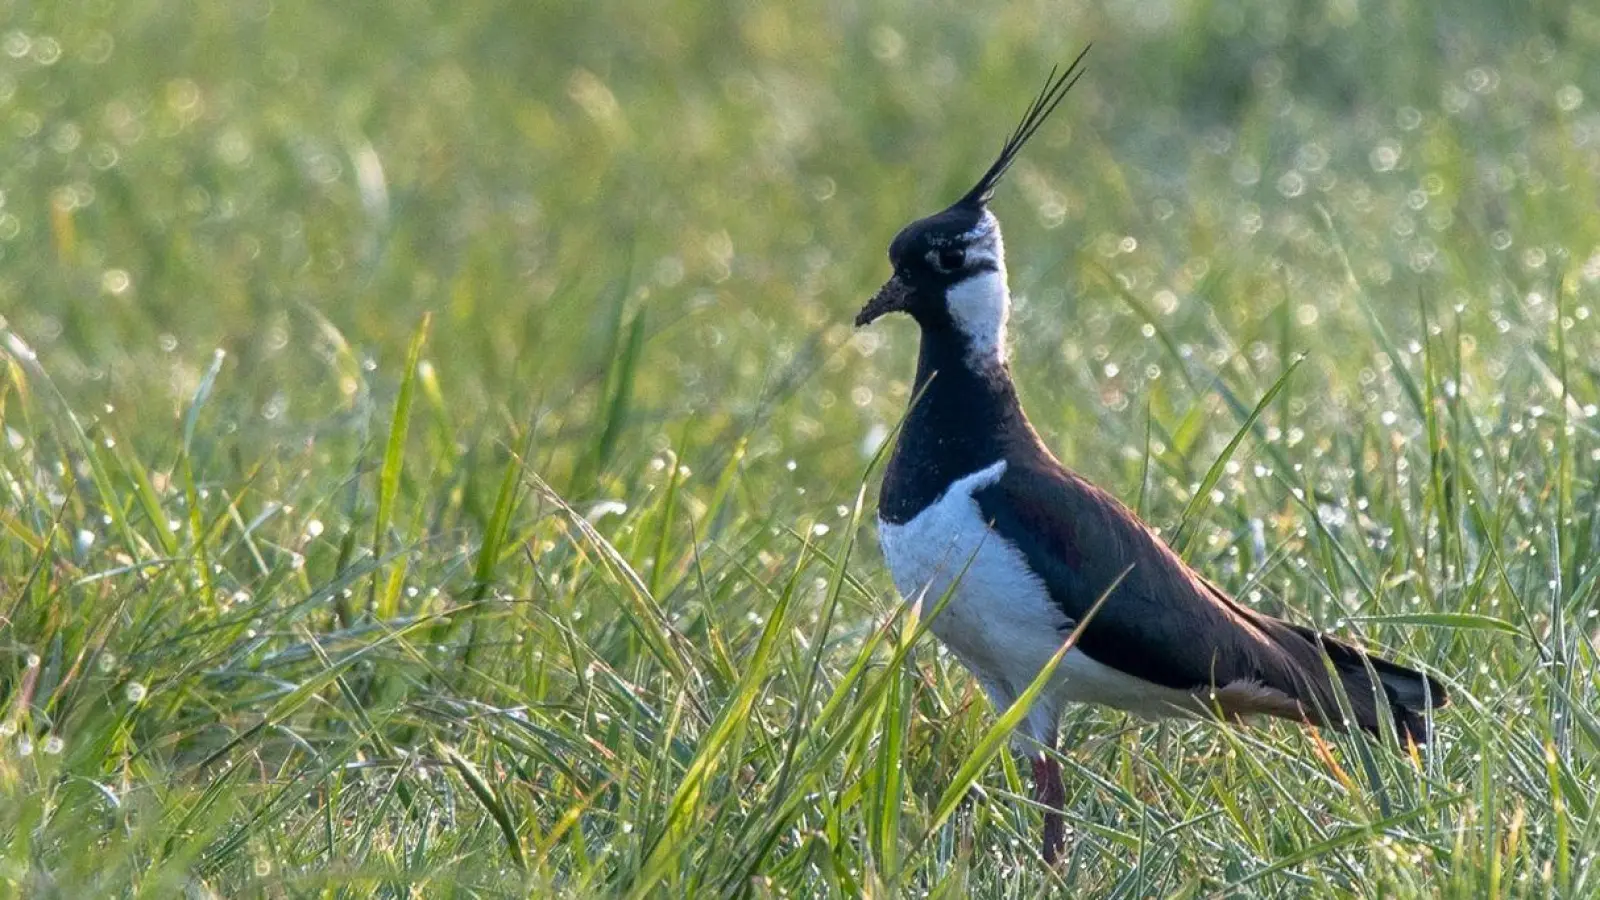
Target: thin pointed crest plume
{"points": [[1055, 90]]}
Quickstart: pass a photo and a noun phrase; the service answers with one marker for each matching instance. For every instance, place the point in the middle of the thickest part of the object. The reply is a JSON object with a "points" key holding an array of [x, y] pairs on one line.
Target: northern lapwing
{"points": [[973, 498]]}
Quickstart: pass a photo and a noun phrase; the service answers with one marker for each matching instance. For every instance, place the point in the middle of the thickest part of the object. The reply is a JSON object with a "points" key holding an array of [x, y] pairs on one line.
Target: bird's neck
{"points": [[949, 366], [964, 416]]}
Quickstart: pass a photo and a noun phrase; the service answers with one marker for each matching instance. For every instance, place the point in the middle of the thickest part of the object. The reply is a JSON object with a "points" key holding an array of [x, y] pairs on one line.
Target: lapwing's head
{"points": [[950, 267]]}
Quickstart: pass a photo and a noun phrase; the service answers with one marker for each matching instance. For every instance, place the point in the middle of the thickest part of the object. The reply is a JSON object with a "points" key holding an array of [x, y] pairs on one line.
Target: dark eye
{"points": [[949, 259]]}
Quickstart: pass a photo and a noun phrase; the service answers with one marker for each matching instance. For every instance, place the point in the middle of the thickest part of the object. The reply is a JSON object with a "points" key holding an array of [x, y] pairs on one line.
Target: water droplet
{"points": [[115, 282], [1385, 156]]}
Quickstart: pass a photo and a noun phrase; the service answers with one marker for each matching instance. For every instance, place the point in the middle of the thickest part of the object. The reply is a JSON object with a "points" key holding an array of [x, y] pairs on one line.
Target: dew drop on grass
{"points": [[53, 745], [1385, 156], [16, 44], [116, 283]]}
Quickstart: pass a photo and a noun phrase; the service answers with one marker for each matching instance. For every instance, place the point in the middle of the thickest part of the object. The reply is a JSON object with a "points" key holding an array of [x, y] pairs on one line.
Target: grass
{"points": [[436, 460]]}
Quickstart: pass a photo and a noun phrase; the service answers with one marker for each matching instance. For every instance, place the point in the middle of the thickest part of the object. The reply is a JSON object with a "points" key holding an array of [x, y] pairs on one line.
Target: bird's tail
{"points": [[1304, 684], [1409, 693]]}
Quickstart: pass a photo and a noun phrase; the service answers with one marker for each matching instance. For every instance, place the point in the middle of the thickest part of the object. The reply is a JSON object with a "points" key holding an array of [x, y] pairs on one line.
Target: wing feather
{"points": [[1161, 623], [1166, 624]]}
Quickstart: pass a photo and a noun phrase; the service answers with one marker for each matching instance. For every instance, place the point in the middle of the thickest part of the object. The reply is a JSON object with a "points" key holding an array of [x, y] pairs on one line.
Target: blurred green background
{"points": [[181, 178], [639, 233]]}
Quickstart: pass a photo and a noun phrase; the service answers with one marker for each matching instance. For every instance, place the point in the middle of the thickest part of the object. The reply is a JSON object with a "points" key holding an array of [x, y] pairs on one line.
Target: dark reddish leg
{"points": [[1052, 795]]}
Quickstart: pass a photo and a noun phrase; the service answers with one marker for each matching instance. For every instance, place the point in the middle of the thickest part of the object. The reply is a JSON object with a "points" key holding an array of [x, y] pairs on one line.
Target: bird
{"points": [[1014, 551]]}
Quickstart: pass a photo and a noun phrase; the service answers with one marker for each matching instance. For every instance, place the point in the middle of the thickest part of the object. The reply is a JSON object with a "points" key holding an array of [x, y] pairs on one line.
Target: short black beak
{"points": [[892, 297]]}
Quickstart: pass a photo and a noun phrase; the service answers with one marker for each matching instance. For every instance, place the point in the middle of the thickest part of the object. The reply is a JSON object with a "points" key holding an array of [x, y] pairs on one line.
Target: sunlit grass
{"points": [[433, 443]]}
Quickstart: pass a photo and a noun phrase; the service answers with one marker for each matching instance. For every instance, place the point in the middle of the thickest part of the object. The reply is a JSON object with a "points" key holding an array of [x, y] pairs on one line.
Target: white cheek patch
{"points": [[979, 307]]}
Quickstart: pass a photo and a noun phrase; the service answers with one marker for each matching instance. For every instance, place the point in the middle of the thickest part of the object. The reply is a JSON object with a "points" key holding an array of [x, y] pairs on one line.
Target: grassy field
{"points": [[436, 460]]}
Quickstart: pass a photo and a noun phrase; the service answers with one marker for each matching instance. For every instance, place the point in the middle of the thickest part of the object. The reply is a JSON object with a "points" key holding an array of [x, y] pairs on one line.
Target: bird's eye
{"points": [[949, 259]]}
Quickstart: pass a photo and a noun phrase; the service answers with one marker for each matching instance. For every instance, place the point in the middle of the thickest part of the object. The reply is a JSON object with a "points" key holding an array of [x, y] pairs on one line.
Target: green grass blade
{"points": [[394, 461], [487, 797], [1198, 501]]}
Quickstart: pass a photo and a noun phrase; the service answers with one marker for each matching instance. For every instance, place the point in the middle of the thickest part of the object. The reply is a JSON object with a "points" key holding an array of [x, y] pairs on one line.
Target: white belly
{"points": [[1000, 621]]}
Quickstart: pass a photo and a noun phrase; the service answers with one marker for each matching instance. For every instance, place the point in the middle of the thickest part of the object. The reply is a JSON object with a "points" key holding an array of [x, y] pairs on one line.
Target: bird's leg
{"points": [[1052, 795]]}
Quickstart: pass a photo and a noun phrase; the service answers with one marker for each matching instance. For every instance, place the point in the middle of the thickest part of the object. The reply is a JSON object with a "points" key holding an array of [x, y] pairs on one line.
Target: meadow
{"points": [[435, 459]]}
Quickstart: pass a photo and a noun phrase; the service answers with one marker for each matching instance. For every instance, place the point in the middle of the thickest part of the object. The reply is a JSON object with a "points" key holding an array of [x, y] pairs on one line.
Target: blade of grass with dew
{"points": [[848, 721], [493, 543], [1467, 621], [885, 799], [1184, 539], [191, 491], [486, 796], [644, 614], [1344, 838], [624, 344], [393, 462], [838, 576], [665, 513], [688, 797]]}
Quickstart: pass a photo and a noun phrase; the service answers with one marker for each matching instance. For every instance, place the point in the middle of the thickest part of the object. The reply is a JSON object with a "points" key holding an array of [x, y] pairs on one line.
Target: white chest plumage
{"points": [[1000, 621]]}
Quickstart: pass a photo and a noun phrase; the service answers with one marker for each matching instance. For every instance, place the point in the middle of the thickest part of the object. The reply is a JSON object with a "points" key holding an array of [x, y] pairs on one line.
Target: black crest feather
{"points": [[1055, 90]]}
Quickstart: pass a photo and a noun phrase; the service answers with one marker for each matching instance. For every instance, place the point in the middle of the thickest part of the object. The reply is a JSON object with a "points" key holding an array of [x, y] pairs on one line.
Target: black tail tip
{"points": [[1411, 726]]}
